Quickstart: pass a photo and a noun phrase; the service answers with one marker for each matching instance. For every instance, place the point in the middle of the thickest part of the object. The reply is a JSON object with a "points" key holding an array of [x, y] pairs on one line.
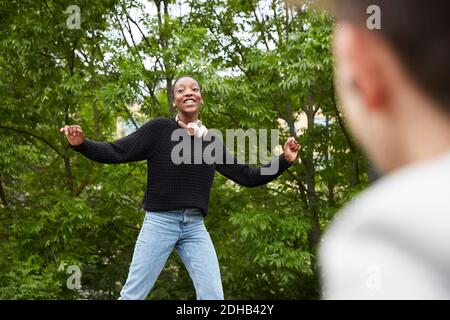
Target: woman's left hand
{"points": [[291, 148]]}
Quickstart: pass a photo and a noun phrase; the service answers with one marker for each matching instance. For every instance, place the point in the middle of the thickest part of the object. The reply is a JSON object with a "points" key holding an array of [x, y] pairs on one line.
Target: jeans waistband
{"points": [[180, 210]]}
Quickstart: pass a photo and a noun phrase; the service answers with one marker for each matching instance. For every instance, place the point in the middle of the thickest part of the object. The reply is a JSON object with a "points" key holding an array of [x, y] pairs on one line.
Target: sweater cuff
{"points": [[79, 147], [284, 164]]}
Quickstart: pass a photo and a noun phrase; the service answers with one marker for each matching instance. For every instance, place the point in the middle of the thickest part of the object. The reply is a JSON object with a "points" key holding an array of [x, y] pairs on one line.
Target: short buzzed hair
{"points": [[418, 32]]}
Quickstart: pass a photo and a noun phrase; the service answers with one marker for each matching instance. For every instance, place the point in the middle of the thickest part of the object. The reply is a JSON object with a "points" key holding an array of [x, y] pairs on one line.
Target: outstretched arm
{"points": [[133, 147], [245, 175]]}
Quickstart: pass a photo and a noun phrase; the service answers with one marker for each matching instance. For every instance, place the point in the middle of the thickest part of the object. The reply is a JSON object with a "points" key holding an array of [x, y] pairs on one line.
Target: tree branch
{"points": [[84, 182], [261, 27], [34, 136], [341, 124], [302, 188], [139, 28]]}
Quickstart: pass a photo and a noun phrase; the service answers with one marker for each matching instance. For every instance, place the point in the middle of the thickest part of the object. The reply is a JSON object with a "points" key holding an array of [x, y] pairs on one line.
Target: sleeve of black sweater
{"points": [[134, 147], [248, 176]]}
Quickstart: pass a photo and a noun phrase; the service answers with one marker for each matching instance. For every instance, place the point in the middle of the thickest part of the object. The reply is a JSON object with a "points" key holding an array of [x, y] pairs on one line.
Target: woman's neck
{"points": [[187, 118]]}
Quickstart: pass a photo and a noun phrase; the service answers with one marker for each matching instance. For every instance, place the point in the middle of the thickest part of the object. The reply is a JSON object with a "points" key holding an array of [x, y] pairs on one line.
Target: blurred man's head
{"points": [[394, 83]]}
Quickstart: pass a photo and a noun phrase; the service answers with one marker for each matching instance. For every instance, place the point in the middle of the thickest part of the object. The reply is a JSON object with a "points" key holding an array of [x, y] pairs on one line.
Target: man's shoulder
{"points": [[411, 204], [409, 193]]}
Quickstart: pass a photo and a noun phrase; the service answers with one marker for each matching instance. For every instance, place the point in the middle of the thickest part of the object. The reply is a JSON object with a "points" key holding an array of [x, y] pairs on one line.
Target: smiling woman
{"points": [[187, 99], [177, 195]]}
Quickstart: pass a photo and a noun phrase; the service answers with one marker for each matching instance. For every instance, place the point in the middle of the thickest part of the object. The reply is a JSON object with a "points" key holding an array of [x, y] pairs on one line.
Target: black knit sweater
{"points": [[171, 186]]}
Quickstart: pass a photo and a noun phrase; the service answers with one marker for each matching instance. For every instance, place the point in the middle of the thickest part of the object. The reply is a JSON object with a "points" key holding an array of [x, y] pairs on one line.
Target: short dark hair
{"points": [[172, 95], [418, 32]]}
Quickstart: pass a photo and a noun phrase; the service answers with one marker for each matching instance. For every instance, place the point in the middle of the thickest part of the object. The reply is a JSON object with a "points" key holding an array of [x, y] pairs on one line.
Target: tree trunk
{"points": [[96, 119], [354, 178], [68, 172], [169, 94], [2, 194], [314, 234], [330, 177], [372, 173]]}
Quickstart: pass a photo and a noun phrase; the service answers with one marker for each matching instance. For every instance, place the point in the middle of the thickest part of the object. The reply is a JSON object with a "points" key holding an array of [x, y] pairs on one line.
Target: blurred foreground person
{"points": [[393, 241]]}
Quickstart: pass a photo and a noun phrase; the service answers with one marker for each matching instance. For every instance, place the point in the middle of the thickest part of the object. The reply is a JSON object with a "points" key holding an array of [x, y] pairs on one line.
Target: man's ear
{"points": [[363, 49]]}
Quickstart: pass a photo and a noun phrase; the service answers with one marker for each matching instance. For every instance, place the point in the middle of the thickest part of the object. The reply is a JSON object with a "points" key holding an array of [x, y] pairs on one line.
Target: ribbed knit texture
{"points": [[171, 186]]}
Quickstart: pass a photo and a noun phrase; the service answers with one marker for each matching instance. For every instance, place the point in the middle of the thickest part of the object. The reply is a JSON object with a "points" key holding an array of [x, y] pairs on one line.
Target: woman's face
{"points": [[187, 95]]}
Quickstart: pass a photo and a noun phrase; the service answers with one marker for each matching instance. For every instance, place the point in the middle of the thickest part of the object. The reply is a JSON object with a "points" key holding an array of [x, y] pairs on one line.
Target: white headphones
{"points": [[196, 129]]}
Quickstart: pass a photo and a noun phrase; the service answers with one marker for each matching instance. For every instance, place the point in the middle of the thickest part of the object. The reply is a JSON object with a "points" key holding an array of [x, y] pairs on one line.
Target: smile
{"points": [[189, 101]]}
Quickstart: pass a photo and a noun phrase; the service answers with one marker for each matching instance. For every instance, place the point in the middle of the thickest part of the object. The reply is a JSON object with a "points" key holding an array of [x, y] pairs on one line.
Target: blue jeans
{"points": [[161, 232]]}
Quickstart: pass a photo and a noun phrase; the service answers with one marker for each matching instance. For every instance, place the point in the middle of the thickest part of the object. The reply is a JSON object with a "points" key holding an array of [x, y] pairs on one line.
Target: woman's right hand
{"points": [[74, 134]]}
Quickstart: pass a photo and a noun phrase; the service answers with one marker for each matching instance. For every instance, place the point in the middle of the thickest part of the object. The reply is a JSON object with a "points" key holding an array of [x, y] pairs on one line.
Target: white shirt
{"points": [[393, 241]]}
